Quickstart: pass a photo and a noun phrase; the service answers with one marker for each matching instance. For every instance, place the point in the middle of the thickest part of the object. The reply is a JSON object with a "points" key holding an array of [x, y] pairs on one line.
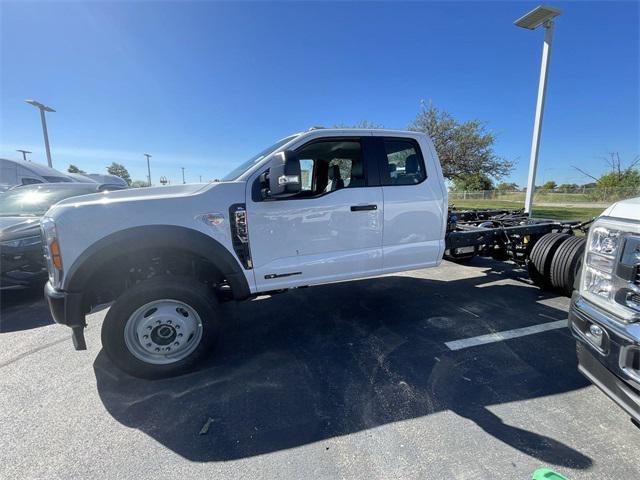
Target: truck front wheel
{"points": [[161, 327]]}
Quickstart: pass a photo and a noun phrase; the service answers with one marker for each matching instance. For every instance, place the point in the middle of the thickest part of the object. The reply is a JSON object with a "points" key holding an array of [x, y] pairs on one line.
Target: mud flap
{"points": [[77, 335]]}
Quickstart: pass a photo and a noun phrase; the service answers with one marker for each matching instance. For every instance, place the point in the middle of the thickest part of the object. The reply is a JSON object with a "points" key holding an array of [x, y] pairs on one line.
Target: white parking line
{"points": [[507, 334]]}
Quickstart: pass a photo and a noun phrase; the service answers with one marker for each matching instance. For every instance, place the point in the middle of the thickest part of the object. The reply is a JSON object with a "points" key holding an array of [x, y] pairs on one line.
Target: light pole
{"points": [[539, 16], [24, 154], [43, 108], [183, 175], [148, 167]]}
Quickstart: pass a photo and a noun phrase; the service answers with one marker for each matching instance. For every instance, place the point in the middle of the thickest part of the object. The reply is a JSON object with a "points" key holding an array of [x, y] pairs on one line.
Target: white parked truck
{"points": [[320, 206], [605, 308]]}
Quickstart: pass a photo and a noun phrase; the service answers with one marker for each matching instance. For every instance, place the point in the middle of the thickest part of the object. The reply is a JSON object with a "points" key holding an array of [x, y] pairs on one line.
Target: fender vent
{"points": [[240, 233]]}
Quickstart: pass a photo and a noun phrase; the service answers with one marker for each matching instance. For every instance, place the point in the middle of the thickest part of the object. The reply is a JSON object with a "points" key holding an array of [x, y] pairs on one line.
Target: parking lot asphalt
{"points": [[351, 380]]}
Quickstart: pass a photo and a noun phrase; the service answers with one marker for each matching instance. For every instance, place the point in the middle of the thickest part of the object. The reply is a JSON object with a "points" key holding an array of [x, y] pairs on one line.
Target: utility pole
{"points": [[148, 168], [183, 182], [541, 16], [24, 154], [537, 124], [43, 108], [200, 178]]}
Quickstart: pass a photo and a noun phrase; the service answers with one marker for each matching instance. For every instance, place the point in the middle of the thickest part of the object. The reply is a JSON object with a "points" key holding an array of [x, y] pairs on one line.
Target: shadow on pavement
{"points": [[332, 360], [23, 309]]}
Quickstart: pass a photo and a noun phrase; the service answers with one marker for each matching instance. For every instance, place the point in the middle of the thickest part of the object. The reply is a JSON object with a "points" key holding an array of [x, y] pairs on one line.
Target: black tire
{"points": [[566, 262], [182, 289], [541, 257]]}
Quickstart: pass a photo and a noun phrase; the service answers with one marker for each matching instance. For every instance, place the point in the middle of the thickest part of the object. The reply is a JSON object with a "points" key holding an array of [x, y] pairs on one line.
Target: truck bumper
{"points": [[612, 360], [66, 309]]}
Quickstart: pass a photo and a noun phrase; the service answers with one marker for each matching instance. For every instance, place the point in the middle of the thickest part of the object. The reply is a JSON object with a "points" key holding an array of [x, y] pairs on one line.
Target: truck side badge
{"points": [[213, 218]]}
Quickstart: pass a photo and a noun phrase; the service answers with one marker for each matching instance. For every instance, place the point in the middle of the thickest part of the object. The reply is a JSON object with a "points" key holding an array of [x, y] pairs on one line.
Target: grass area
{"points": [[555, 213], [564, 213]]}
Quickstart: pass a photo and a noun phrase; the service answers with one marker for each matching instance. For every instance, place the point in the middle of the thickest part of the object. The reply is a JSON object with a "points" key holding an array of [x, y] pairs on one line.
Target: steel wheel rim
{"points": [[163, 332]]}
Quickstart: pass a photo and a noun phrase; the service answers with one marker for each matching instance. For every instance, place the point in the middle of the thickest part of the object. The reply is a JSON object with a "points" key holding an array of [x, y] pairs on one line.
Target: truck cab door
{"points": [[331, 230], [415, 204]]}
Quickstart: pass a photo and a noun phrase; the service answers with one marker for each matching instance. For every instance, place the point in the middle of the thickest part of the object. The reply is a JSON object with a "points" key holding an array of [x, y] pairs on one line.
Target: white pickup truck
{"points": [[320, 206], [605, 309]]}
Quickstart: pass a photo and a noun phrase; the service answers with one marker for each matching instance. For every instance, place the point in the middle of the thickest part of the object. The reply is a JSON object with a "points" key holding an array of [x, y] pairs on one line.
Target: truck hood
{"points": [[135, 194], [626, 209], [18, 227], [84, 221]]}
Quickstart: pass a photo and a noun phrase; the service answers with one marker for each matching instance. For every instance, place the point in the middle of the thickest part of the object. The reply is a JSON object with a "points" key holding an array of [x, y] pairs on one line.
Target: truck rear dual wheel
{"points": [[161, 327], [566, 263], [541, 257]]}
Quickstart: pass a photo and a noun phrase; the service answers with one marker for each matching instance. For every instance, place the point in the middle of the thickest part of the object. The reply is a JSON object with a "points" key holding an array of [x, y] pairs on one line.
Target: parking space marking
{"points": [[506, 335]]}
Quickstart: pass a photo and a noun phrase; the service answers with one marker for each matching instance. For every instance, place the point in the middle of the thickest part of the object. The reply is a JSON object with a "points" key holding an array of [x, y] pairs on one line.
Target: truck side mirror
{"points": [[284, 174]]}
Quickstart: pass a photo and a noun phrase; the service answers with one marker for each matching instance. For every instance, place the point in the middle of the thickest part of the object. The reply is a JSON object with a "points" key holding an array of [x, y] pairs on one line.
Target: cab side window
{"points": [[330, 165], [30, 181], [404, 163]]}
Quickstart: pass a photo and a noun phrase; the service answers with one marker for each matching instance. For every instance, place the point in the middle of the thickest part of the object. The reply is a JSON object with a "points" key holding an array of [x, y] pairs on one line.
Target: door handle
{"points": [[361, 208]]}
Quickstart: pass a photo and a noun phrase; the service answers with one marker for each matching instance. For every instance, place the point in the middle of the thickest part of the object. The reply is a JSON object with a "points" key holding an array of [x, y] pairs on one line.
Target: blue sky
{"points": [[206, 85]]}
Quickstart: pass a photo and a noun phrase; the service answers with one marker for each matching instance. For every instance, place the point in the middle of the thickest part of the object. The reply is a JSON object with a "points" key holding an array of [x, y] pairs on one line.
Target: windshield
{"points": [[243, 167], [35, 201]]}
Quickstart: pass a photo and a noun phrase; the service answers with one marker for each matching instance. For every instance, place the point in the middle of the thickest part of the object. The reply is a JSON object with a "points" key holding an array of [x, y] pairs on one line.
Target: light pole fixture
{"points": [[43, 108], [148, 168], [24, 154], [539, 16]]}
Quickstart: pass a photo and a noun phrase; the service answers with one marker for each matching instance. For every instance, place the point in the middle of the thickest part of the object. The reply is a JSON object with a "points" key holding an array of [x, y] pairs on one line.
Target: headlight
{"points": [[609, 274], [52, 251], [604, 241], [597, 282], [23, 242]]}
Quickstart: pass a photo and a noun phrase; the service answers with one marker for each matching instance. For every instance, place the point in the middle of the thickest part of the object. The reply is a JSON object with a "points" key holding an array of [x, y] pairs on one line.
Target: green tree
{"points": [[549, 185], [472, 183], [568, 186], [627, 178], [465, 149], [73, 169], [618, 176], [119, 170], [507, 187]]}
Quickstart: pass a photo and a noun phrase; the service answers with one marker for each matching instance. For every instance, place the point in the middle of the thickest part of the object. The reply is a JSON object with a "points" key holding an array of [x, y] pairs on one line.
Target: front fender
{"points": [[100, 254]]}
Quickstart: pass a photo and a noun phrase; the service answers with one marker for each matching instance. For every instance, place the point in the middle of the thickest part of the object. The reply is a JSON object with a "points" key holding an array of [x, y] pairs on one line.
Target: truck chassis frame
{"points": [[501, 234]]}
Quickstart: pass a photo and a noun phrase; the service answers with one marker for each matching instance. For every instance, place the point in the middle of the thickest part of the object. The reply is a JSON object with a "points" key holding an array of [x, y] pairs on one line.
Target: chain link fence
{"points": [[577, 196]]}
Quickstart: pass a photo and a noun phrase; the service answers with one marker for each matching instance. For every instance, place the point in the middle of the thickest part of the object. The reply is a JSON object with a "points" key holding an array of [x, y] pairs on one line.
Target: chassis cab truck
{"points": [[321, 206], [605, 310]]}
